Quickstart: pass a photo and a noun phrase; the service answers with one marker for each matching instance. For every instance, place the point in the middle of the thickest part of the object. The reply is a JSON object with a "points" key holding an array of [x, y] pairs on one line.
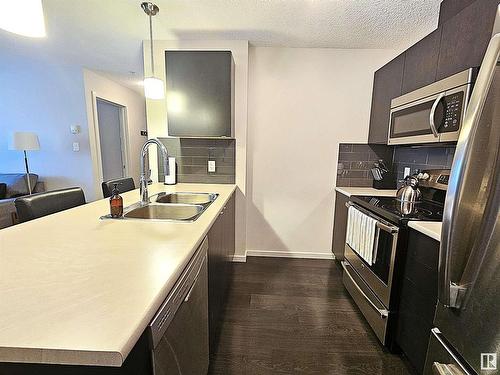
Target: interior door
{"points": [[111, 139]]}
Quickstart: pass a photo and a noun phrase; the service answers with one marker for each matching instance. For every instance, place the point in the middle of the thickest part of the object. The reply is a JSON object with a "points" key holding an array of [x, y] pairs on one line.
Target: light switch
{"points": [[211, 166], [76, 146], [75, 129], [407, 171]]}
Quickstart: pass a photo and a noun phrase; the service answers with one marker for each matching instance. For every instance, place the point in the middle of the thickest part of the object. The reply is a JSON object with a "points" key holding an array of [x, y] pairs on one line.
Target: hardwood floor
{"points": [[293, 316]]}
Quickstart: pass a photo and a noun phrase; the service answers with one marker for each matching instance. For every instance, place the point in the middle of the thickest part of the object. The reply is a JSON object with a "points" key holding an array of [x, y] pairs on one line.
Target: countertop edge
{"points": [[431, 229], [349, 191]]}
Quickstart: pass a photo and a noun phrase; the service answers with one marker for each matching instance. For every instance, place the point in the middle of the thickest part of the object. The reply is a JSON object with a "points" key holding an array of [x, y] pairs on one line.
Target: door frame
{"points": [[95, 142]]}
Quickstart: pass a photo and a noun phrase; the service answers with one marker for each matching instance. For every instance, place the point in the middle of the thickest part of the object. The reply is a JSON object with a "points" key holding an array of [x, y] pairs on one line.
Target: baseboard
{"points": [[239, 258], [291, 254]]}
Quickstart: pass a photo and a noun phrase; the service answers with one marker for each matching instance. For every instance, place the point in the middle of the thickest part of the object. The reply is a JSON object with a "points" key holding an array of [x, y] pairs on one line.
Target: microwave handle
{"points": [[432, 113]]}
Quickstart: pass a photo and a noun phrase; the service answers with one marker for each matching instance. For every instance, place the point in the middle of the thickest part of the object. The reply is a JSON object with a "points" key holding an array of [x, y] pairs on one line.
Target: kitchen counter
{"points": [[78, 290], [348, 191], [429, 228]]}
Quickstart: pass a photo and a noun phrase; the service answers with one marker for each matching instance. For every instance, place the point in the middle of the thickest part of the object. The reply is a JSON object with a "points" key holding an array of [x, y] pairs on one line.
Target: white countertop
{"points": [[78, 290], [429, 228], [366, 191]]}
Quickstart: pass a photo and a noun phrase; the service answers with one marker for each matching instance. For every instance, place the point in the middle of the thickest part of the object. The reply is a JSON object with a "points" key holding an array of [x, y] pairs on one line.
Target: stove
{"points": [[372, 261]]}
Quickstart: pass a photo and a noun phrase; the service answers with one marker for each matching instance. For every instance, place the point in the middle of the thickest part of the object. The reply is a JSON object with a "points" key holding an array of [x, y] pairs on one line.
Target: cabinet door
{"points": [[339, 226], [419, 285], [450, 8], [199, 93], [421, 62], [465, 38], [387, 83]]}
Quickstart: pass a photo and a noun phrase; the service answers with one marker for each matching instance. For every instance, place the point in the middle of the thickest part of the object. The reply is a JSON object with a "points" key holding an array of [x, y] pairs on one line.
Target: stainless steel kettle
{"points": [[409, 192]]}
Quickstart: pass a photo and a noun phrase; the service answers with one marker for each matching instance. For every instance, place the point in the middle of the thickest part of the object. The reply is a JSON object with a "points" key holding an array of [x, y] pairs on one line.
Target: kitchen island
{"points": [[77, 290]]}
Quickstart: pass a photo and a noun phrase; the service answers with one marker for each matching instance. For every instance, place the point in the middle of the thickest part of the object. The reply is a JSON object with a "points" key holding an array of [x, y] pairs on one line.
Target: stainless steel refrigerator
{"points": [[466, 337]]}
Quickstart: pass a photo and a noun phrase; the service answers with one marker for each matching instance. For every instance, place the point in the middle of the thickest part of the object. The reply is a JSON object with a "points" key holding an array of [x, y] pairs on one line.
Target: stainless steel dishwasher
{"points": [[179, 331]]}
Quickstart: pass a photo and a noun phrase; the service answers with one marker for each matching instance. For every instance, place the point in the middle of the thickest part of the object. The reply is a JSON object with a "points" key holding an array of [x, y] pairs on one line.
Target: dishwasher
{"points": [[179, 331]]}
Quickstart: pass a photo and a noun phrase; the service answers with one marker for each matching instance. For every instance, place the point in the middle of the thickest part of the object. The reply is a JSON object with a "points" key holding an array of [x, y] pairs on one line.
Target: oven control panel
{"points": [[434, 178]]}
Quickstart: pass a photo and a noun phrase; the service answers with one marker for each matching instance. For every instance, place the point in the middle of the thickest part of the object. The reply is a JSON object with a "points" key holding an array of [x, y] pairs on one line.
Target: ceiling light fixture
{"points": [[153, 87], [23, 18]]}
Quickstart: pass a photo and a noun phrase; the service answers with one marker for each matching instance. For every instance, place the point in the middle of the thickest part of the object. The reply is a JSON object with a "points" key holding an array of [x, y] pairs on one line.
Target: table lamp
{"points": [[25, 141]]}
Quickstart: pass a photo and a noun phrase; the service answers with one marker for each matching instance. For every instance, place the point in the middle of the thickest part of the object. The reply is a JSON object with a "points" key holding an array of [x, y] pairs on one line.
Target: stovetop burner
{"points": [[396, 211]]}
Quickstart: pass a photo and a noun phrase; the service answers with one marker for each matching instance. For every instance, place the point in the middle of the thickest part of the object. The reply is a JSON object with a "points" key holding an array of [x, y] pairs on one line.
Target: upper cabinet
{"points": [[386, 86], [199, 93], [459, 43], [421, 62], [465, 38]]}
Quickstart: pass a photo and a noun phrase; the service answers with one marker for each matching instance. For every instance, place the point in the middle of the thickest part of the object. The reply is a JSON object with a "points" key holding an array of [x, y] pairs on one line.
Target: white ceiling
{"points": [[106, 35]]}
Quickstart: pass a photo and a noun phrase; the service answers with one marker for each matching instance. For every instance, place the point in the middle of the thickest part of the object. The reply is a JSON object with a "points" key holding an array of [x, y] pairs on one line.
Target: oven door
{"points": [[436, 118], [379, 275]]}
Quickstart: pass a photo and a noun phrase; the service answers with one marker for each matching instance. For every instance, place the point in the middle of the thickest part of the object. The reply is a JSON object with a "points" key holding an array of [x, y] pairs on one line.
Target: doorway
{"points": [[112, 144]]}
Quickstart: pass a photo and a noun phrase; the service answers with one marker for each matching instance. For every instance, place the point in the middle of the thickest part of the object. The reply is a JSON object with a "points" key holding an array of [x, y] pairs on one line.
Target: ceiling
{"points": [[106, 35]]}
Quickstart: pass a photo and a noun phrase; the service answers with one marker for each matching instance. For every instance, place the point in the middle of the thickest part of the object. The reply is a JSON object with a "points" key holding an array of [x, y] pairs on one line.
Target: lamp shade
{"points": [[153, 88], [23, 18], [24, 141]]}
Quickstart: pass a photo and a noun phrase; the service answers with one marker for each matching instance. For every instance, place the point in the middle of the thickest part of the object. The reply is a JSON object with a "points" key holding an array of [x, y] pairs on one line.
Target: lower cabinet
{"points": [[418, 298], [221, 246], [339, 225]]}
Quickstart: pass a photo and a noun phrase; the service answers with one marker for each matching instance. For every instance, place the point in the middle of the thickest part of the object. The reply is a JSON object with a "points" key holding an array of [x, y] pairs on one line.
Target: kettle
{"points": [[409, 192]]}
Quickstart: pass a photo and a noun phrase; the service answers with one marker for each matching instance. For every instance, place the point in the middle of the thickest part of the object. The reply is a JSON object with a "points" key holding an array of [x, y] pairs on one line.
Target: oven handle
{"points": [[383, 312], [433, 112], [385, 227]]}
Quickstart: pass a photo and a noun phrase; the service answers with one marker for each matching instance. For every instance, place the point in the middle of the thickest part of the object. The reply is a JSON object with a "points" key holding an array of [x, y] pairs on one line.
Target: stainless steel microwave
{"points": [[433, 113]]}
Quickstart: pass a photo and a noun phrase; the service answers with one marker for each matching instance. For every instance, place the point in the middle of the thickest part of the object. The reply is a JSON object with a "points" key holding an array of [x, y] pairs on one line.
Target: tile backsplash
{"points": [[356, 160], [192, 156], [422, 157]]}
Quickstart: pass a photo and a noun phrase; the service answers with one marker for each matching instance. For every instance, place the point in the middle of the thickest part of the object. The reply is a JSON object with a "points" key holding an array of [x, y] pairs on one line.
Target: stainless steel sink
{"points": [[186, 198], [181, 207], [176, 212]]}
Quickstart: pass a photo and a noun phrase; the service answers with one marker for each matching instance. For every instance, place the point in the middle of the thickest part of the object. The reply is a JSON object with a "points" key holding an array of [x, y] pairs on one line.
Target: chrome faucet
{"points": [[143, 182]]}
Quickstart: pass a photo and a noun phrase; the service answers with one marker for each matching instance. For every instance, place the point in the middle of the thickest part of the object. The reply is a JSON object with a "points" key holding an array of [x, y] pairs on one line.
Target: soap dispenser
{"points": [[116, 202]]}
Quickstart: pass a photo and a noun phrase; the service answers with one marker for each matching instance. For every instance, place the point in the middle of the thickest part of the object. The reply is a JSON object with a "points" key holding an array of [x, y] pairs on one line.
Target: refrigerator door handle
{"points": [[451, 292], [447, 369]]}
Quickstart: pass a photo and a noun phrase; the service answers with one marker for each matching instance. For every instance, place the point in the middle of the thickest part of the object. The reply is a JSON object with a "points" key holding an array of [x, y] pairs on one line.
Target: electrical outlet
{"points": [[76, 146], [211, 166], [407, 171]]}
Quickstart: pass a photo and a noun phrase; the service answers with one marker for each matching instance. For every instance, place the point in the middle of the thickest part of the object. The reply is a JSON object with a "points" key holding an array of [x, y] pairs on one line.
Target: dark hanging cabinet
{"points": [[200, 93]]}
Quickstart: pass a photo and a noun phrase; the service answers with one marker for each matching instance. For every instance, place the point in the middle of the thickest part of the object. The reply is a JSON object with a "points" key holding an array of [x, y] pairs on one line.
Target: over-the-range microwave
{"points": [[433, 113]]}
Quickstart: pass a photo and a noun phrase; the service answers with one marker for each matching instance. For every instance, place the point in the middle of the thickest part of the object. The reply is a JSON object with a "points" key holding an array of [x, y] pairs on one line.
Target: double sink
{"points": [[180, 206]]}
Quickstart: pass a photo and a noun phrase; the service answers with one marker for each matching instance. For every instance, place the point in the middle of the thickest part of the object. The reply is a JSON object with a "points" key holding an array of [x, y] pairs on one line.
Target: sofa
{"points": [[13, 185]]}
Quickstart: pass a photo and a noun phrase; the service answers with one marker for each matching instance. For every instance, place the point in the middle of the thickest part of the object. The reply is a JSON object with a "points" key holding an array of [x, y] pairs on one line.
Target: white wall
{"points": [[156, 111], [47, 98], [301, 104], [109, 90]]}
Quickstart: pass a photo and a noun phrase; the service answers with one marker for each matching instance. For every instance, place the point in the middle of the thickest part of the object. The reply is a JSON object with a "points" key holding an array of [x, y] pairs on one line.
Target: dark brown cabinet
{"points": [[421, 62], [339, 225], [387, 83], [417, 305], [450, 8], [465, 38], [221, 246]]}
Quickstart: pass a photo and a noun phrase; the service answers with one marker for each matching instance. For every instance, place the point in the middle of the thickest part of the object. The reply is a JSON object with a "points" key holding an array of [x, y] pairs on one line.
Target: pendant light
{"points": [[23, 18], [153, 87]]}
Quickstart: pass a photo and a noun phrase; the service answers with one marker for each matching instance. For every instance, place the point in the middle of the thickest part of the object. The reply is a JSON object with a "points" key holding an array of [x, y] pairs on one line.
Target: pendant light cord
{"points": [[151, 38]]}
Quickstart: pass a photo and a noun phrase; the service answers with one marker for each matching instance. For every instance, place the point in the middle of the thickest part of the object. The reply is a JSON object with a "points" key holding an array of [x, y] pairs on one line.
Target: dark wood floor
{"points": [[293, 316]]}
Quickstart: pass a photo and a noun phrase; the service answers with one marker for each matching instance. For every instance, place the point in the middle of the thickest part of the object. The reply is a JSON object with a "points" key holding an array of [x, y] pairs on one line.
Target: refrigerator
{"points": [[465, 339]]}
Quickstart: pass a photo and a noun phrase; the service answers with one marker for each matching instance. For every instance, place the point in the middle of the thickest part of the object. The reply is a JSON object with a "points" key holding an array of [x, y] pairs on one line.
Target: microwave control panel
{"points": [[452, 113]]}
